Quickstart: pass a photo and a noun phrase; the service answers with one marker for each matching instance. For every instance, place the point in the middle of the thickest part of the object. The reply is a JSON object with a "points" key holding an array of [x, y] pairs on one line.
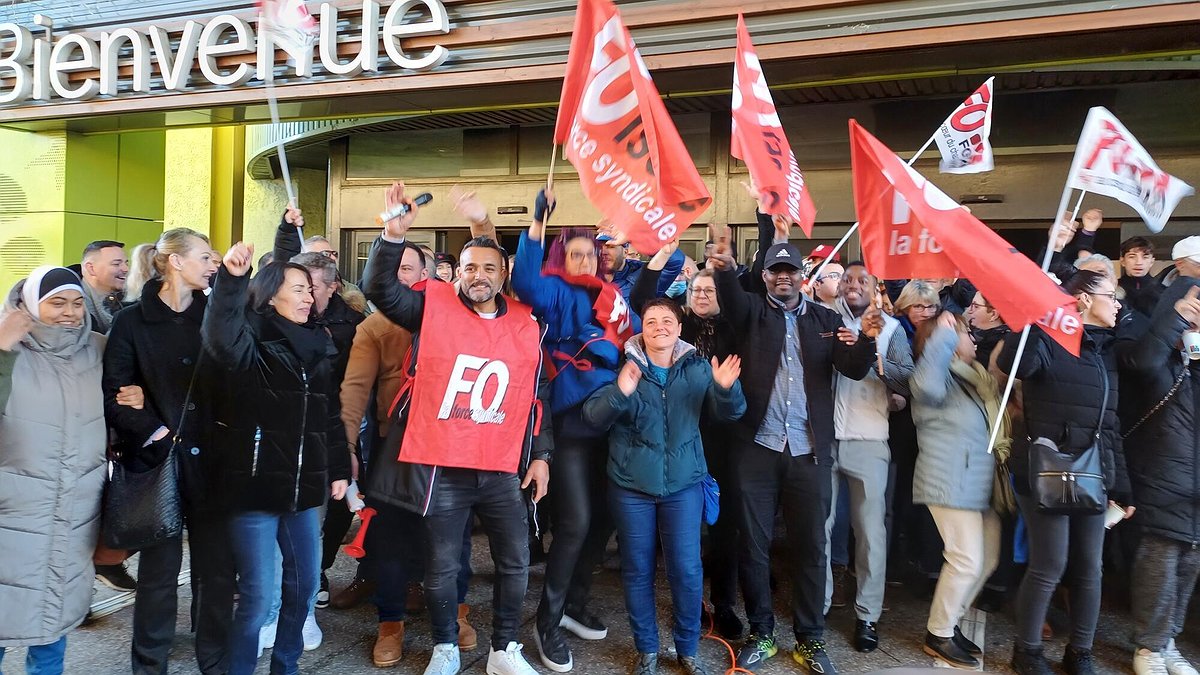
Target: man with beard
{"points": [[475, 419], [624, 273], [103, 271], [861, 454], [789, 348]]}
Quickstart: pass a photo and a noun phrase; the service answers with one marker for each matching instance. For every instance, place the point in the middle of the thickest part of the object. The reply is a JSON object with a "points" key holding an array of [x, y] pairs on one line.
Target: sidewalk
{"points": [[102, 647]]}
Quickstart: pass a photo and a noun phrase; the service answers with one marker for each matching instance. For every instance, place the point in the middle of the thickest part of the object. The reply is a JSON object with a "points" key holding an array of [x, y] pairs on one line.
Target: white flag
{"points": [[964, 139], [1109, 161], [289, 22]]}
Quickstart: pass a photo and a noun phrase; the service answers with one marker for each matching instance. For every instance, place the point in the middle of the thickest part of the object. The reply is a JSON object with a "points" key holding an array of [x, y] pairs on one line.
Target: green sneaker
{"points": [[758, 648], [811, 654]]}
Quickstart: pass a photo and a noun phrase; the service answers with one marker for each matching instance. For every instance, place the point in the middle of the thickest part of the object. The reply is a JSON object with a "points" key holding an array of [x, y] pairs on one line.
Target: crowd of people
{"points": [[574, 391]]}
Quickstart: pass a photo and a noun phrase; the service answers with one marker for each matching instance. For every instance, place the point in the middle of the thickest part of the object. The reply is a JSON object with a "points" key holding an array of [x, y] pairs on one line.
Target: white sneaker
{"points": [[444, 660], [1176, 664], [312, 633], [266, 637], [1146, 662], [509, 662]]}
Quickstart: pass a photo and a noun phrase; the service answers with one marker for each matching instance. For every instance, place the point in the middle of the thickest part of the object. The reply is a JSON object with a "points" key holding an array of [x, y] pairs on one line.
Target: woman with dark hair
{"points": [[1062, 402], [587, 323], [284, 444], [656, 467], [156, 344], [954, 404]]}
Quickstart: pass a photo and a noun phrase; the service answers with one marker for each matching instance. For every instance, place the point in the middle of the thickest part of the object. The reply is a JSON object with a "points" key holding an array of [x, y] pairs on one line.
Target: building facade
{"points": [[121, 118]]}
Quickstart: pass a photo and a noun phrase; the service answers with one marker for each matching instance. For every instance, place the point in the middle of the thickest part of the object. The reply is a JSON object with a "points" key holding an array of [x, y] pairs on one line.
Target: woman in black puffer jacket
{"points": [[1163, 422], [284, 444], [1062, 398]]}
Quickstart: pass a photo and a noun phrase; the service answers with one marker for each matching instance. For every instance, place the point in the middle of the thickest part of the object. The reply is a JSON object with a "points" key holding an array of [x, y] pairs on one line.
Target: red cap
{"points": [[821, 252]]}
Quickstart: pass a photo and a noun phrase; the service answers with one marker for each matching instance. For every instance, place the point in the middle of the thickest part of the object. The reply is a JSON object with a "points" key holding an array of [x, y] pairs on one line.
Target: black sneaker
{"points": [[691, 666], [584, 624], [758, 648], [116, 577], [1079, 661], [811, 654], [866, 636], [727, 624], [1030, 661], [646, 664], [948, 651], [552, 647], [965, 644], [323, 593]]}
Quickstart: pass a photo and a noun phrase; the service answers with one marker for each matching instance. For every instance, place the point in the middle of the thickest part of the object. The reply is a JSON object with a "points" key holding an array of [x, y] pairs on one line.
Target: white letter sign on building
{"points": [[40, 68]]}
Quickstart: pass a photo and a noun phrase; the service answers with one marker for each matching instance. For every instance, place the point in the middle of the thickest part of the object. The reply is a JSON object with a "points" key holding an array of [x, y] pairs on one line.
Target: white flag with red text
{"points": [[759, 141], [964, 139], [1109, 161], [289, 22]]}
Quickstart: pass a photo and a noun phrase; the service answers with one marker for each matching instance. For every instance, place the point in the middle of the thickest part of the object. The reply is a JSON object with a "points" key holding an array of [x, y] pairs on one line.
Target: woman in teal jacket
{"points": [[656, 468]]}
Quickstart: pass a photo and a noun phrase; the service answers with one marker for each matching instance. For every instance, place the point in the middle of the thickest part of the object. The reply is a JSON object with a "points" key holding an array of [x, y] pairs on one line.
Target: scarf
{"points": [[44, 282], [610, 309], [310, 344], [984, 386]]}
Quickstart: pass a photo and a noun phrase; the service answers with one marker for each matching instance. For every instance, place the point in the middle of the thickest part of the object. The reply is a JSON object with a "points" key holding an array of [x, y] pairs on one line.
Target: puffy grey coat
{"points": [[954, 468], [52, 440]]}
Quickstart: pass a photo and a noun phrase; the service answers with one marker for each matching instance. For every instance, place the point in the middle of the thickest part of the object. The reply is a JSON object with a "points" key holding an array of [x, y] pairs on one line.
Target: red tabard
{"points": [[475, 384]]}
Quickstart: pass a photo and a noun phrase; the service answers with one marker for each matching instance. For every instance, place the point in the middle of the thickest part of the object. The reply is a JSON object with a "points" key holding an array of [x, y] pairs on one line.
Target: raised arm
{"points": [[402, 305], [226, 332], [648, 285], [734, 301], [1161, 341], [470, 207], [288, 242], [931, 380]]}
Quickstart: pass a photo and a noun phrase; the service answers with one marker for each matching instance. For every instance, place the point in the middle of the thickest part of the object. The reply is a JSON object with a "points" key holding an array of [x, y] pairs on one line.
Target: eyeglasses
{"points": [[832, 275], [981, 306], [704, 292], [1111, 296], [924, 308], [331, 254]]}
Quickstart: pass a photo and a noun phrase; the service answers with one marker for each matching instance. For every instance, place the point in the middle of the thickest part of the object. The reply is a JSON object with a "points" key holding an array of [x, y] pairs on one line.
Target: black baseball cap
{"points": [[445, 258], [783, 254]]}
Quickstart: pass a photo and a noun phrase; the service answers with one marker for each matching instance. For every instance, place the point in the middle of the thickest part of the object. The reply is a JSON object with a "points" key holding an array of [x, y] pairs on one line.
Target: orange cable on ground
{"points": [[732, 656]]}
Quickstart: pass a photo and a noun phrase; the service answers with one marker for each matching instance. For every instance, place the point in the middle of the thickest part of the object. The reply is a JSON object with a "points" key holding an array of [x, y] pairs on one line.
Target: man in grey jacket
{"points": [[861, 455]]}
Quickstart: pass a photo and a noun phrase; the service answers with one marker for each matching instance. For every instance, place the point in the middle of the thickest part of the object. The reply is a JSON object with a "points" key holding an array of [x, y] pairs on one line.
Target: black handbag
{"points": [[1063, 483], [144, 508]]}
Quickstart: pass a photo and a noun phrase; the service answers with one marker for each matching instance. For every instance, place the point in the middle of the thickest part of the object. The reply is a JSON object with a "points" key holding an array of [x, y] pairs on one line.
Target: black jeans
{"points": [[396, 542], [581, 525], [496, 499], [213, 586], [721, 559], [337, 522], [766, 480]]}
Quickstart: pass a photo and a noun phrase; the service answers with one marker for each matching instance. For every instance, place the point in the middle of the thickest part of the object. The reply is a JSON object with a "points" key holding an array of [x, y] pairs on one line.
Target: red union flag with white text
{"points": [[1012, 283], [632, 163], [964, 139], [1110, 161], [759, 141]]}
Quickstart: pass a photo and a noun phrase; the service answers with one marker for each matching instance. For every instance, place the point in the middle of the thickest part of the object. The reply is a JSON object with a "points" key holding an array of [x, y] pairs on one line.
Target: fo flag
{"points": [[758, 140], [1015, 286], [1109, 161], [632, 163], [964, 139], [289, 22]]}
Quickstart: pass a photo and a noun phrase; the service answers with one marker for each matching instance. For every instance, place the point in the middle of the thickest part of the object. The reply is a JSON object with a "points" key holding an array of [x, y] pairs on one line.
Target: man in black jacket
{"points": [[790, 347], [447, 489]]}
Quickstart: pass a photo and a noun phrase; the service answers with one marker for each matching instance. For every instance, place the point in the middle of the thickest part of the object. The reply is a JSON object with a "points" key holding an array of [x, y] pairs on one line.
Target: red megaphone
{"points": [[355, 548]]}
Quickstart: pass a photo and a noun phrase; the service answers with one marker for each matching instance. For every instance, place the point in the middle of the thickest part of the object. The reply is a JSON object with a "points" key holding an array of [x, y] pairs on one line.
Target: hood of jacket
{"points": [[57, 341], [635, 349]]}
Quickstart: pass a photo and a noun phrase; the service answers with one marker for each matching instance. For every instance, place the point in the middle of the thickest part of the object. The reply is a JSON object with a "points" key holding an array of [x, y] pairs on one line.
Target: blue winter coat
{"points": [[654, 444], [954, 468]]}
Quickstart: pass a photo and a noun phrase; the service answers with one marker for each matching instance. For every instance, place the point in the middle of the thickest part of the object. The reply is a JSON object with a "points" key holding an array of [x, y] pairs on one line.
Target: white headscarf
{"points": [[47, 281]]}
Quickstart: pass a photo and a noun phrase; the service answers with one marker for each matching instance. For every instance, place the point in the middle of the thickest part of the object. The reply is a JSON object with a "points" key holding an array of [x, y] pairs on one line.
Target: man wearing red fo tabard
{"points": [[469, 434]]}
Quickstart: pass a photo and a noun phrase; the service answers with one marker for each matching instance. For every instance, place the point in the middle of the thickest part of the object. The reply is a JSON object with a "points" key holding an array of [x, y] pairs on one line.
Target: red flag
{"points": [[1015, 286], [632, 163], [759, 141]]}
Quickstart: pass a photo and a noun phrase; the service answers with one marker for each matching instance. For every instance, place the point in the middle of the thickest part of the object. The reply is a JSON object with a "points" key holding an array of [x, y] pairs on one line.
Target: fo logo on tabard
{"points": [[474, 376]]}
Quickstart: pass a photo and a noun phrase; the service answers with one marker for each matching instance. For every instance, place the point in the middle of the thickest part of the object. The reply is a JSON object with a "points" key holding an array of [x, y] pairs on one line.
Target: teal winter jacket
{"points": [[654, 442]]}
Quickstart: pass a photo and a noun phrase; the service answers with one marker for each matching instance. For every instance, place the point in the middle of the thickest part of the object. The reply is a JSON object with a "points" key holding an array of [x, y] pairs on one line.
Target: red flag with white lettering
{"points": [[1015, 286], [632, 164], [759, 141]]}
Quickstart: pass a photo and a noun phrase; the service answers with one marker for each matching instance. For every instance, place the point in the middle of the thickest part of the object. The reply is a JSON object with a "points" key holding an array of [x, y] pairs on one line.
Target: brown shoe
{"points": [[467, 639], [416, 598], [389, 646], [353, 595], [841, 594]]}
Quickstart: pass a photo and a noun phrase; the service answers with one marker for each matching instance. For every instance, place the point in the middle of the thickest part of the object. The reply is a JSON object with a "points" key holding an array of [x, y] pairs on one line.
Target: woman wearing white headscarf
{"points": [[52, 441]]}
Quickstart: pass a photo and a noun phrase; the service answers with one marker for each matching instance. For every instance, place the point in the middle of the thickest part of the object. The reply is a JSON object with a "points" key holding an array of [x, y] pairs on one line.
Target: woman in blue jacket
{"points": [[656, 467]]}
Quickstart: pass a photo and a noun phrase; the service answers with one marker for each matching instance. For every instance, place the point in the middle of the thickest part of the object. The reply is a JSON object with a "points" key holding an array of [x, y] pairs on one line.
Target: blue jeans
{"points": [[44, 659], [674, 520], [256, 535]]}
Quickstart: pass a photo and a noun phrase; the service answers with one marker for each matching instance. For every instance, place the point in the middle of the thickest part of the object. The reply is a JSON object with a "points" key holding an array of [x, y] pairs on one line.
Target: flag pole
{"points": [[1012, 373], [1075, 211], [273, 107], [553, 158], [854, 228]]}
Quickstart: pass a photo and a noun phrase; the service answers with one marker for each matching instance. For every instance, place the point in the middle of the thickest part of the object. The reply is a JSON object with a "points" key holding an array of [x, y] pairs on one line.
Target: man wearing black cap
{"points": [[790, 347]]}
